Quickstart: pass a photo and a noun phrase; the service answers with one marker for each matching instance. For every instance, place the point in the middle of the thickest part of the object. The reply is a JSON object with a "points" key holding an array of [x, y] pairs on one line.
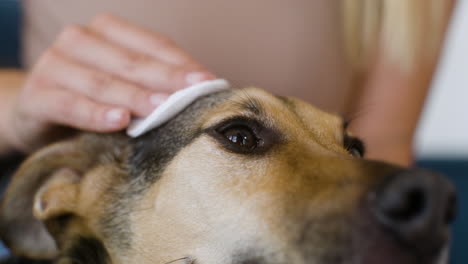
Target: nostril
{"points": [[417, 207], [405, 207]]}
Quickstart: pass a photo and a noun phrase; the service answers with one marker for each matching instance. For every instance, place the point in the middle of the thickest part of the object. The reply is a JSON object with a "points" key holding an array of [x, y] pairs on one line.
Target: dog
{"points": [[241, 177]]}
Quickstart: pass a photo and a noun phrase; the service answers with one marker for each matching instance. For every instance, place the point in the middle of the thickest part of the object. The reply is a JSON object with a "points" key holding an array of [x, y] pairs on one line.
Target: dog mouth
{"points": [[372, 246], [381, 253], [379, 247], [391, 256]]}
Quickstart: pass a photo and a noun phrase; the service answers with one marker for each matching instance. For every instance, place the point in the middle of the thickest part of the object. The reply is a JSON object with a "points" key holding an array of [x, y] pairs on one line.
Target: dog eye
{"points": [[245, 135], [241, 137], [354, 146], [355, 152]]}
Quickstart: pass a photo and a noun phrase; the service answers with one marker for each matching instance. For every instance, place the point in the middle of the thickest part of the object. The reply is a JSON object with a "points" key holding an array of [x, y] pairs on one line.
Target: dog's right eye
{"points": [[241, 137]]}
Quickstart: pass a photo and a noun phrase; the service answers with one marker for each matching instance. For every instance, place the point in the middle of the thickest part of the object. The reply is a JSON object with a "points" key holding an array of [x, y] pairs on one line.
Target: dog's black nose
{"points": [[416, 206]]}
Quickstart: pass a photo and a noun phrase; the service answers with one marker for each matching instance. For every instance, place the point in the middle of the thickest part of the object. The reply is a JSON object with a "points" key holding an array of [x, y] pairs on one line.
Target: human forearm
{"points": [[10, 83], [393, 52], [388, 110]]}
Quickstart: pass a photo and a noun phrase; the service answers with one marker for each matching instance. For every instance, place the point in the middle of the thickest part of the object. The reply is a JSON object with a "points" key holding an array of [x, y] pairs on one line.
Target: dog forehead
{"points": [[290, 115], [297, 119]]}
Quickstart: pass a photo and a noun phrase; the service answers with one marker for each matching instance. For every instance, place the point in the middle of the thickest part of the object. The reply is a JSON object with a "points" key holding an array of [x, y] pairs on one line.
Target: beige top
{"points": [[288, 47]]}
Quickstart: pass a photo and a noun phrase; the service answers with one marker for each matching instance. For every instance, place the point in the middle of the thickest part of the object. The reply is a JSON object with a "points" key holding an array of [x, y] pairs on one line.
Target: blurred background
{"points": [[442, 138]]}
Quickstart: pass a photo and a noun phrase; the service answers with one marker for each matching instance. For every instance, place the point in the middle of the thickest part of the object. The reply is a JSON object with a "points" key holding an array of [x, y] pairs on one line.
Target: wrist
{"points": [[400, 153], [386, 138], [7, 144], [10, 84]]}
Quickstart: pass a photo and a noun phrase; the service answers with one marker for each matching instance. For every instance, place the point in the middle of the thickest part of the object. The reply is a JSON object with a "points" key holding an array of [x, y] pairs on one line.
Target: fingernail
{"points": [[157, 99], [195, 77], [115, 115]]}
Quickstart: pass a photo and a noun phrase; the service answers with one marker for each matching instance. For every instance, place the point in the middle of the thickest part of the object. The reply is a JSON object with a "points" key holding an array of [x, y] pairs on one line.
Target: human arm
{"points": [[94, 78], [10, 82], [395, 54], [388, 110]]}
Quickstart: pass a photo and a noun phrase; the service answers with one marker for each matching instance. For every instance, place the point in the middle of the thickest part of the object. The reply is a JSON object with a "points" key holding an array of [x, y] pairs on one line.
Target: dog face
{"points": [[238, 177]]}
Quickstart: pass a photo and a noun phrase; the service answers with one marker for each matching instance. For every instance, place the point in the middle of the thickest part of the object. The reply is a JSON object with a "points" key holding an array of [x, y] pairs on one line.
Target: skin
{"points": [[389, 107], [113, 75], [118, 70], [391, 95], [302, 199]]}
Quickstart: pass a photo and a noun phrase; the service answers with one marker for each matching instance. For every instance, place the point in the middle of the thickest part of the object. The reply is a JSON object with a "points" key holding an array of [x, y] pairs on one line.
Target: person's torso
{"points": [[287, 47]]}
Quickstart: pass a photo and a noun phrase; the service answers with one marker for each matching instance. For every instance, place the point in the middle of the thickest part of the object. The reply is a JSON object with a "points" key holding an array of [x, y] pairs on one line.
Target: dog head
{"points": [[238, 177]]}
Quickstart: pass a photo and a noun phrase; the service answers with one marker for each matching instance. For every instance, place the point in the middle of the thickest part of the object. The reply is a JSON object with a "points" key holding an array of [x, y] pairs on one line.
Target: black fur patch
{"points": [[87, 251], [249, 257], [149, 156], [154, 150], [83, 251], [18, 260]]}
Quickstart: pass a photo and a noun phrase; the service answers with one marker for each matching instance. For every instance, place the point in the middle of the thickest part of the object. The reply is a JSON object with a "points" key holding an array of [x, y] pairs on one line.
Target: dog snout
{"points": [[417, 206]]}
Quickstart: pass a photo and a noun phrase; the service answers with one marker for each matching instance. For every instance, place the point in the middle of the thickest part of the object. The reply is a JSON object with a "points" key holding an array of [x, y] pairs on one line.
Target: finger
{"points": [[65, 107], [98, 86], [140, 69], [141, 40]]}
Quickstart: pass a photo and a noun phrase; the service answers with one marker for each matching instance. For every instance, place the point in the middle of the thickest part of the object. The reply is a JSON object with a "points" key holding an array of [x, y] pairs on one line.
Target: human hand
{"points": [[95, 77]]}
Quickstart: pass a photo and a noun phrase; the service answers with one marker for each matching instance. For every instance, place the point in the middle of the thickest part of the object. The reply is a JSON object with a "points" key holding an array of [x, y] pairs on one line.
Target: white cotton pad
{"points": [[177, 102]]}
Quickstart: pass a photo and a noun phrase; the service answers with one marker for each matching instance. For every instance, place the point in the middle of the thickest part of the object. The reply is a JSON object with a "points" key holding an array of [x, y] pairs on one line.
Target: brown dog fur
{"points": [[183, 193]]}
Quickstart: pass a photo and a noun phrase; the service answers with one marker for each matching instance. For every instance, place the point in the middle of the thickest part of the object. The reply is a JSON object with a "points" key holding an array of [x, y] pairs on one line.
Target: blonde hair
{"points": [[407, 31]]}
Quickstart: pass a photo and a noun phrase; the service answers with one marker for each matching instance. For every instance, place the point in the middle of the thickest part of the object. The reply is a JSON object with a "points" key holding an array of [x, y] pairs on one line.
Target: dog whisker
{"points": [[354, 114], [245, 101], [185, 260]]}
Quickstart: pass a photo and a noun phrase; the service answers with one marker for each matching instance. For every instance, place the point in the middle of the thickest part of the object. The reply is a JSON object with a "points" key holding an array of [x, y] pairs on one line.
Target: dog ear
{"points": [[58, 196], [45, 186]]}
